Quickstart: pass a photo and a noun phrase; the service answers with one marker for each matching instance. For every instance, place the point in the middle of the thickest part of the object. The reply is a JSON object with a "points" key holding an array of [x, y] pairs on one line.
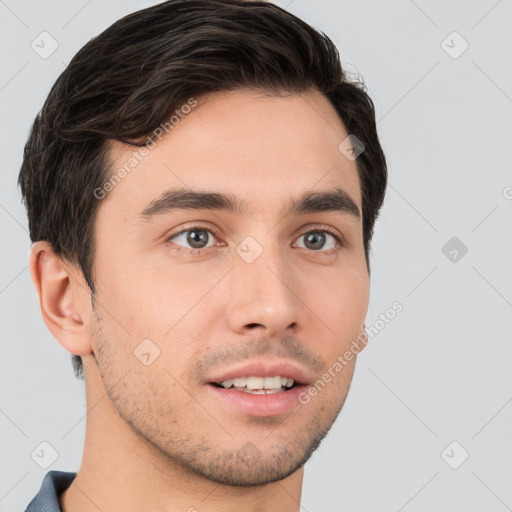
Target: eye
{"points": [[196, 237], [316, 240]]}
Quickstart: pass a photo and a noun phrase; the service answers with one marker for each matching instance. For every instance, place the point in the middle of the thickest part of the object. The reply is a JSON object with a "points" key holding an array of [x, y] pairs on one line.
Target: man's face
{"points": [[221, 295]]}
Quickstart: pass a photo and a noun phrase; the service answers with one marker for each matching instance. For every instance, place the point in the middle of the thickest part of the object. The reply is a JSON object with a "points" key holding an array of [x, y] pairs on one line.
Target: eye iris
{"points": [[197, 237], [313, 239]]}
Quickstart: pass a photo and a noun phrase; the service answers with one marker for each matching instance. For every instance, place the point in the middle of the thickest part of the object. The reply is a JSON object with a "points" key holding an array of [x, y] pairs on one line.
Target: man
{"points": [[202, 185]]}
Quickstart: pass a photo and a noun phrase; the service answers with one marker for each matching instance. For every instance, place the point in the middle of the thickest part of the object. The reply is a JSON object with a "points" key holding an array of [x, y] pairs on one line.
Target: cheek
{"points": [[339, 300], [142, 293], [342, 306], [164, 303]]}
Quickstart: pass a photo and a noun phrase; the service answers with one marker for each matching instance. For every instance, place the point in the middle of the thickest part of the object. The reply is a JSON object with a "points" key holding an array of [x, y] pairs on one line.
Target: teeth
{"points": [[255, 382], [227, 383], [261, 384], [272, 383], [260, 391]]}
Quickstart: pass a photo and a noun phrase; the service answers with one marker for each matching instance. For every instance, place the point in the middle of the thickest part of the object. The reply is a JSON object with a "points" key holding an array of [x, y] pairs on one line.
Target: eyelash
{"points": [[197, 252]]}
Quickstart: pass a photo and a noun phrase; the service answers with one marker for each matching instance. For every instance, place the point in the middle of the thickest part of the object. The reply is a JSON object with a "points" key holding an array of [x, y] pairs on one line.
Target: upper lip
{"points": [[263, 369]]}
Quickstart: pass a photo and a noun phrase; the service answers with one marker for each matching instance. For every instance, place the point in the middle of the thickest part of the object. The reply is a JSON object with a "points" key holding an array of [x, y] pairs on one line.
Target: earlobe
{"points": [[62, 298]]}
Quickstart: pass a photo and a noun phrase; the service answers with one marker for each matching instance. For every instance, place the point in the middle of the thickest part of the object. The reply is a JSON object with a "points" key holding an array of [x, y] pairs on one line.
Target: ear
{"points": [[64, 298]]}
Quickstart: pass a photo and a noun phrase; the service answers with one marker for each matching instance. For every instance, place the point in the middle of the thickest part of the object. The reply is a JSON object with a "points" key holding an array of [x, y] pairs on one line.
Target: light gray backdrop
{"points": [[427, 424]]}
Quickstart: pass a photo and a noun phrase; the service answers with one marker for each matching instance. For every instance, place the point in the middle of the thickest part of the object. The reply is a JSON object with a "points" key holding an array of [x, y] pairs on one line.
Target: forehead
{"points": [[264, 149]]}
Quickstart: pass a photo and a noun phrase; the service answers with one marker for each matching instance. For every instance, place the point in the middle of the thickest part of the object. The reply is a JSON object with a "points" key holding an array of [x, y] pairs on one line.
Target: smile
{"points": [[259, 385], [259, 388]]}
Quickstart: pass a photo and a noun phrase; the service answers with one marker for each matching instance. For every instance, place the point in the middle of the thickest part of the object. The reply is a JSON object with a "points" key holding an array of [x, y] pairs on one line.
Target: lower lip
{"points": [[259, 405]]}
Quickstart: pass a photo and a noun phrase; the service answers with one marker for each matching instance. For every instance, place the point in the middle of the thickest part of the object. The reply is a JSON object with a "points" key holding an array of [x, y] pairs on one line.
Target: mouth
{"points": [[260, 388], [258, 385]]}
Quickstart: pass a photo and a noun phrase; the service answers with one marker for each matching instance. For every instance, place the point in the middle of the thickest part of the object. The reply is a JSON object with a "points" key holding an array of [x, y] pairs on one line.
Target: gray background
{"points": [[440, 371]]}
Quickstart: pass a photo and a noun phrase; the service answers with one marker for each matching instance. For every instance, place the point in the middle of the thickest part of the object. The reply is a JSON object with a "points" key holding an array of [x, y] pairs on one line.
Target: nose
{"points": [[263, 296]]}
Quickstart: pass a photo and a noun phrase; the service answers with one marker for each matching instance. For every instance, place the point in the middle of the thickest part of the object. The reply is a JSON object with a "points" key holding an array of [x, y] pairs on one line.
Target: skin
{"points": [[156, 438]]}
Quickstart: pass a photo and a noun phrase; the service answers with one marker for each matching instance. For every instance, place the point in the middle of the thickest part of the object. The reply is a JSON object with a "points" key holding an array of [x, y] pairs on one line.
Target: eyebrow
{"points": [[335, 200]]}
